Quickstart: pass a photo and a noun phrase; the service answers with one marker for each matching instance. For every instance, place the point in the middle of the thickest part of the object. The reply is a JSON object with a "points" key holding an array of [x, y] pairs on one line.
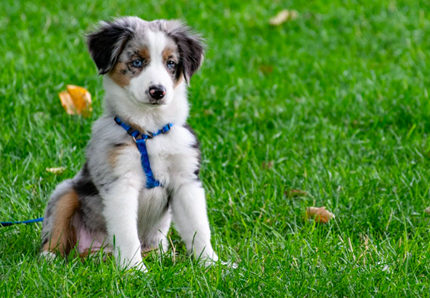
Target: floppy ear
{"points": [[107, 43], [190, 46]]}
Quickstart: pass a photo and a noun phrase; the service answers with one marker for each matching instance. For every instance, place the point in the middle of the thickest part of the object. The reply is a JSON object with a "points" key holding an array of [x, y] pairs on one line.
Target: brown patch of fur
{"points": [[179, 79], [116, 150], [123, 72], [113, 155], [63, 235], [144, 54], [119, 74], [171, 53]]}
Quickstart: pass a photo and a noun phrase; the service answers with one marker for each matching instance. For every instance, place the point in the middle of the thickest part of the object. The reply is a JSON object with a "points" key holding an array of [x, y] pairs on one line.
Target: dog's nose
{"points": [[157, 92]]}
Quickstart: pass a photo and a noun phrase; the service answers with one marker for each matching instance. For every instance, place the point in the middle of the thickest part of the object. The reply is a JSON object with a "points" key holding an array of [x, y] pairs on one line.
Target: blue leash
{"points": [[140, 140], [11, 223]]}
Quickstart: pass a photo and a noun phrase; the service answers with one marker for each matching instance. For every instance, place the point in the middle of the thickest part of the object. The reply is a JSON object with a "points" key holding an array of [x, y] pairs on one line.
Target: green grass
{"points": [[338, 100]]}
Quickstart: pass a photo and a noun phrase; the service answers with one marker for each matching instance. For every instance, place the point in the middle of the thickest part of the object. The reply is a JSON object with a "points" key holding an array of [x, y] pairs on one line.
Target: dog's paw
{"points": [[136, 264], [140, 267]]}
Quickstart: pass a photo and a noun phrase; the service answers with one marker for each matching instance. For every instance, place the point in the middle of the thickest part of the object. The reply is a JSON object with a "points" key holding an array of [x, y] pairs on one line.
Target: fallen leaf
{"points": [[67, 102], [76, 101], [56, 171], [266, 68], [295, 193], [283, 16], [319, 214], [267, 165], [427, 210]]}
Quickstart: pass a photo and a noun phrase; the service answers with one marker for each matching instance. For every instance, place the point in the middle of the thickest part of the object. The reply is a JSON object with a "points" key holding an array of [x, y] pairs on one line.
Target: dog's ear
{"points": [[106, 44], [190, 45]]}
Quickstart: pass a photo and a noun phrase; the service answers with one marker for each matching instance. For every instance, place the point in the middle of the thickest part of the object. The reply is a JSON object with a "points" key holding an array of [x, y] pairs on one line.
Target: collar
{"points": [[135, 133]]}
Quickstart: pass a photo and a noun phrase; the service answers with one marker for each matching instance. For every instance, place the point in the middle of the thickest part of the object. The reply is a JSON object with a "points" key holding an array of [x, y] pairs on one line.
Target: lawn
{"points": [[335, 103]]}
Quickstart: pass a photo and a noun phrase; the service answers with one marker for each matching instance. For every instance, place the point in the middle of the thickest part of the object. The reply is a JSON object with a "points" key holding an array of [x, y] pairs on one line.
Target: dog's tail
{"points": [[58, 233]]}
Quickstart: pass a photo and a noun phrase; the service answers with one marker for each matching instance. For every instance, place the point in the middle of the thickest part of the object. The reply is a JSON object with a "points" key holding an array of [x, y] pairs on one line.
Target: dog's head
{"points": [[148, 60]]}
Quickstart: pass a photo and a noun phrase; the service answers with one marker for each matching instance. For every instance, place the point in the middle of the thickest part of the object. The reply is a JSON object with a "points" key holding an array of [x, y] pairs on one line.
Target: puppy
{"points": [[114, 202]]}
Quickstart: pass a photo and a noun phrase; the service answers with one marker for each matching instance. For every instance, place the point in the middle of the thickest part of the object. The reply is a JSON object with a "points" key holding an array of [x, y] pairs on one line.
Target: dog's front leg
{"points": [[191, 220], [121, 205]]}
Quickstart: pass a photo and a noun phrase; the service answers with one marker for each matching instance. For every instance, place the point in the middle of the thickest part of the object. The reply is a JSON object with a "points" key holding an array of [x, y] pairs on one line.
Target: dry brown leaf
{"points": [[267, 165], [266, 68], [56, 171], [208, 112], [319, 214], [295, 193], [76, 101], [427, 210], [283, 16]]}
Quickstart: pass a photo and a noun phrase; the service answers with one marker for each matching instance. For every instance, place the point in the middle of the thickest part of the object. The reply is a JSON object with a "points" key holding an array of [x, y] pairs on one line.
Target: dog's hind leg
{"points": [[58, 233]]}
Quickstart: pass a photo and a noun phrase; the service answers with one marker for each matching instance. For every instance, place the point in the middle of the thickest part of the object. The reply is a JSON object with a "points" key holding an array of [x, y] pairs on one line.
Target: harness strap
{"points": [[151, 182], [130, 131]]}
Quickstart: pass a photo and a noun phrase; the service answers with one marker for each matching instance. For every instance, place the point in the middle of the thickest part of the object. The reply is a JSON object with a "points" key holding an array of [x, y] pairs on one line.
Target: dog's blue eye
{"points": [[137, 63], [171, 65]]}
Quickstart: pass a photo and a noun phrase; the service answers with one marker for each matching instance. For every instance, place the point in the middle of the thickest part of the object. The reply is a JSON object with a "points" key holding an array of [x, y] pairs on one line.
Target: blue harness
{"points": [[140, 140]]}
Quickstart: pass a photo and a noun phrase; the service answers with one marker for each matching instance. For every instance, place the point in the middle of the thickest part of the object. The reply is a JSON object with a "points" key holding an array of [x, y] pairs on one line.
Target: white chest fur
{"points": [[172, 155]]}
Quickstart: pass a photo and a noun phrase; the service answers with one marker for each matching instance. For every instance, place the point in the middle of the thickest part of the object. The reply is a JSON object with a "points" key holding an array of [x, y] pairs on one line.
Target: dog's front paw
{"points": [[133, 263], [137, 266], [207, 258], [140, 267]]}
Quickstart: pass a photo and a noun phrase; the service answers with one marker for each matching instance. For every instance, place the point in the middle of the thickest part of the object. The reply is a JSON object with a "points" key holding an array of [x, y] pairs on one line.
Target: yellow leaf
{"points": [[319, 214], [76, 101], [56, 171], [283, 16], [67, 102]]}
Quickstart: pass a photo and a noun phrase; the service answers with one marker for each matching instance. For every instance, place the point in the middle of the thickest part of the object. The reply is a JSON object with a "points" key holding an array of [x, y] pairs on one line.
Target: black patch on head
{"points": [[106, 44], [190, 47], [85, 186], [196, 146]]}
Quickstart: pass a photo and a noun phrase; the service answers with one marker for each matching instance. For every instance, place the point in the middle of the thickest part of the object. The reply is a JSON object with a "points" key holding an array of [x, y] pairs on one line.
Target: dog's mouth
{"points": [[146, 102], [157, 103]]}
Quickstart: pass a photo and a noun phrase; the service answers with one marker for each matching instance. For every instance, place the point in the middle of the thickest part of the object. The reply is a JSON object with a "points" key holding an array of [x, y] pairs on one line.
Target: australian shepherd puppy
{"points": [[108, 204]]}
